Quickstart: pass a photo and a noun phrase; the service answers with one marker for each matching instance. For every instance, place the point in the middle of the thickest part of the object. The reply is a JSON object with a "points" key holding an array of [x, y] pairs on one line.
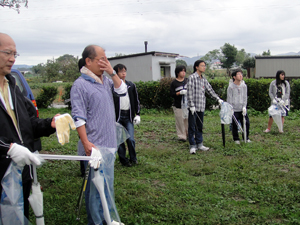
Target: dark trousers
{"points": [[195, 128], [239, 117], [125, 121]]}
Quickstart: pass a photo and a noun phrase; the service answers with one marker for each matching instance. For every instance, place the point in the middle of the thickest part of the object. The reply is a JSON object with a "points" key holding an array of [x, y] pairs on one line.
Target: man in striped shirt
{"points": [[196, 87]]}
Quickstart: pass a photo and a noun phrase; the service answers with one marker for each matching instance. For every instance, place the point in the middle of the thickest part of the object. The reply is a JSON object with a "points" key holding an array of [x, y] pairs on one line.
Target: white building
{"points": [[148, 66]]}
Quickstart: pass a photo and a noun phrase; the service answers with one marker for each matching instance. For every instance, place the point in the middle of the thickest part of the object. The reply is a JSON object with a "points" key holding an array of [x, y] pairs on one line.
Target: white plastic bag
{"points": [[226, 113], [184, 107], [276, 112]]}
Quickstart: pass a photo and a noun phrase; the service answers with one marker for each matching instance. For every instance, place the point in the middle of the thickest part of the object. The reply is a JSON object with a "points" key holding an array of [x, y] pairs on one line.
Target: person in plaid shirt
{"points": [[196, 87]]}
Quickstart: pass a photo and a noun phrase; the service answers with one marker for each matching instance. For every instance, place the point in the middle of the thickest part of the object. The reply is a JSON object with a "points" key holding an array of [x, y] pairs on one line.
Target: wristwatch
{"points": [[113, 73]]}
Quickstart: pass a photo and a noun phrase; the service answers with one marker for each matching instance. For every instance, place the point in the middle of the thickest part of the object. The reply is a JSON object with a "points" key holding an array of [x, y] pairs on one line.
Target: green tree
{"points": [[180, 62], [247, 64], [229, 56], [52, 70], [241, 56], [39, 69], [14, 4], [68, 68], [266, 53], [211, 56]]}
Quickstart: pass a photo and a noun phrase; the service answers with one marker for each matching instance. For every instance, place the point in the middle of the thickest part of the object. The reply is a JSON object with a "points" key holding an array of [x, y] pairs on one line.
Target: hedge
{"points": [[156, 94]]}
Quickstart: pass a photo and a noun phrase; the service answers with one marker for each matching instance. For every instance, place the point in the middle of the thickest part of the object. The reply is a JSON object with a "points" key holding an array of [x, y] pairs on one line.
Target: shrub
{"points": [[258, 93], [295, 94], [220, 87], [66, 96], [46, 96]]}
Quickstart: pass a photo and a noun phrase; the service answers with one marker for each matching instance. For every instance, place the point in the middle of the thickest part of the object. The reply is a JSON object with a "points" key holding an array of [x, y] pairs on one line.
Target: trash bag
{"points": [[226, 113], [12, 201], [276, 112], [122, 134], [184, 107], [106, 171]]}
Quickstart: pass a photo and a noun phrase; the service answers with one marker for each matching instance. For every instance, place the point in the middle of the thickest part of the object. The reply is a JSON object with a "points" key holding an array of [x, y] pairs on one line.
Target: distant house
{"points": [[267, 66], [148, 66]]}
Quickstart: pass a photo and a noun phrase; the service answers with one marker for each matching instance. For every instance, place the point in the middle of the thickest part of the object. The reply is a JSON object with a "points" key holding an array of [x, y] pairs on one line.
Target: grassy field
{"points": [[254, 183]]}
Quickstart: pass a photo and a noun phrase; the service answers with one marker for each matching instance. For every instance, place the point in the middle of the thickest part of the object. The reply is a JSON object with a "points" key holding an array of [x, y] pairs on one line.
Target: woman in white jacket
{"points": [[279, 93]]}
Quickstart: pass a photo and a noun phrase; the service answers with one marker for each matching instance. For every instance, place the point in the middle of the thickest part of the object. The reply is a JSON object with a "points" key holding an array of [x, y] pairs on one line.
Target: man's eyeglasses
{"points": [[10, 53]]}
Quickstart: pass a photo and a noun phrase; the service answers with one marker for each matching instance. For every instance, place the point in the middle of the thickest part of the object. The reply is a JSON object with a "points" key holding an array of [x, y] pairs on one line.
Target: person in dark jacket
{"points": [[127, 110], [18, 125]]}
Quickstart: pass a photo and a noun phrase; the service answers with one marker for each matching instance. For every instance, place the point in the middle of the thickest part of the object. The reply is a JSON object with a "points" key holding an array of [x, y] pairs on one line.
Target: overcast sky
{"points": [[48, 29]]}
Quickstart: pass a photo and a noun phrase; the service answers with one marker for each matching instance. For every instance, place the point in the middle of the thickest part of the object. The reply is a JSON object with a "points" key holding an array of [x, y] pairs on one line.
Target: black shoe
{"points": [[128, 164], [134, 162]]}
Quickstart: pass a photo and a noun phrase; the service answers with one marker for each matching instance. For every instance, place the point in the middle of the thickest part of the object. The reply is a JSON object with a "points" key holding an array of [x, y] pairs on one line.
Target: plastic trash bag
{"points": [[276, 112], [122, 134], [226, 113], [106, 170], [184, 107], [12, 202]]}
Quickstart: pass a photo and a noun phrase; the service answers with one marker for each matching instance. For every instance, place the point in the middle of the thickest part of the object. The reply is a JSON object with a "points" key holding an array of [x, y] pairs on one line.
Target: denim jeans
{"points": [[195, 128], [96, 205], [125, 121]]}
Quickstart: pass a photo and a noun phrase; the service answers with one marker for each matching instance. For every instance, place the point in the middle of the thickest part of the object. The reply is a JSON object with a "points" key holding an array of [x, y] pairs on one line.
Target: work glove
{"points": [[281, 102], [63, 123], [183, 92], [220, 101], [244, 111], [137, 120], [274, 101], [22, 156], [192, 109], [97, 157]]}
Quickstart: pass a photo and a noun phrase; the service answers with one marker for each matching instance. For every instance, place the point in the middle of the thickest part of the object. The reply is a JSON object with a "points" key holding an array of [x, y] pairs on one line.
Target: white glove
{"points": [[281, 102], [220, 101], [97, 157], [183, 92], [137, 120], [22, 156], [244, 111], [192, 109], [274, 101], [63, 123]]}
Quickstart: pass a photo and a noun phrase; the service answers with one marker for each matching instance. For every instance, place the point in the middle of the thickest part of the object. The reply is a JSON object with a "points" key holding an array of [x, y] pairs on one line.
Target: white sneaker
{"points": [[237, 142], [248, 141], [203, 148], [193, 150], [116, 223]]}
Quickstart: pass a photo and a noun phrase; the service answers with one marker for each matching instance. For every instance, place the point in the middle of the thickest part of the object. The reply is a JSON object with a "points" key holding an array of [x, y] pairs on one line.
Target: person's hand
{"points": [[193, 109], [244, 111], [220, 101], [88, 148], [53, 121], [63, 123], [105, 65], [183, 92], [281, 102], [97, 157], [274, 101], [22, 156], [137, 120]]}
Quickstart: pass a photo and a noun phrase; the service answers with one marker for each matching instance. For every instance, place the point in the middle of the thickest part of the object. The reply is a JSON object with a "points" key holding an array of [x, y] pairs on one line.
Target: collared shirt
{"points": [[7, 102], [196, 88], [93, 103]]}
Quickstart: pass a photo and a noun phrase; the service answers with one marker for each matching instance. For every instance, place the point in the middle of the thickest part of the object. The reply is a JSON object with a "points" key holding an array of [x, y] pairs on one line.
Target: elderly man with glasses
{"points": [[18, 126]]}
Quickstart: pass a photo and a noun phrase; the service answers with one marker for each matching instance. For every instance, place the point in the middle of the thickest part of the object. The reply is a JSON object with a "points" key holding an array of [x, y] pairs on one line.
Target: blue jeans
{"points": [[195, 128], [125, 121], [96, 204]]}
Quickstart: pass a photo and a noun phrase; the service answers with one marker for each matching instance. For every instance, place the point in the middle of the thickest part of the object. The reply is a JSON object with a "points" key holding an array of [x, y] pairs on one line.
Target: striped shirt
{"points": [[196, 88], [93, 102]]}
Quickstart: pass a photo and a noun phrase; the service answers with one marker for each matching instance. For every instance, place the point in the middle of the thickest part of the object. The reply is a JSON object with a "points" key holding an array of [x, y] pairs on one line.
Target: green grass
{"points": [[254, 183]]}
